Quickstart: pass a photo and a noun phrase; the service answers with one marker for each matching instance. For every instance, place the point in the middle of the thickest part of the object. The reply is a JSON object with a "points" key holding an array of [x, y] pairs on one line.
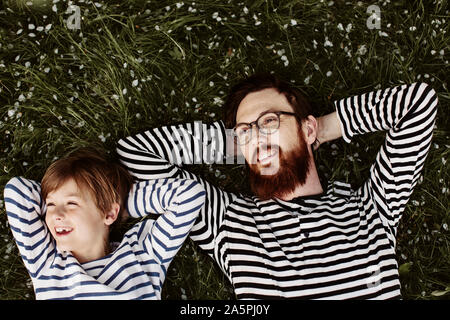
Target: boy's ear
{"points": [[112, 214]]}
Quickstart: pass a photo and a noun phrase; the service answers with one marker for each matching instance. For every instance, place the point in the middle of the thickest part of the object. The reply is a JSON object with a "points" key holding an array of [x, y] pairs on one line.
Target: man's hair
{"points": [[107, 181], [260, 82]]}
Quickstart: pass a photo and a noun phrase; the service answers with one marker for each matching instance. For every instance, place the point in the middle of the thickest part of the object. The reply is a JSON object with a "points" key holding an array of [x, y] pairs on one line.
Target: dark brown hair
{"points": [[260, 82], [107, 181]]}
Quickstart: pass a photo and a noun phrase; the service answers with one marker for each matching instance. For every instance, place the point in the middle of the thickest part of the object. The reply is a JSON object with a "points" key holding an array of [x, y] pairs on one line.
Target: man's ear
{"points": [[112, 214], [310, 129]]}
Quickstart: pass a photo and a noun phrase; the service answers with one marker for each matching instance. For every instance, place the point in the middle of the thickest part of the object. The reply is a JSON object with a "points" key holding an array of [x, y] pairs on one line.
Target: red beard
{"points": [[292, 171]]}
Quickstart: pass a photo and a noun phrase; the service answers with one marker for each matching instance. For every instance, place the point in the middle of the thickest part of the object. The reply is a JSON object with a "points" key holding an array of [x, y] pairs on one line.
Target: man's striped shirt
{"points": [[337, 245], [136, 269]]}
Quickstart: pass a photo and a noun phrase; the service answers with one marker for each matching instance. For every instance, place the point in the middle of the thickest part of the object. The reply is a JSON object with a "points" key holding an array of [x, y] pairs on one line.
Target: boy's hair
{"points": [[107, 181], [260, 82]]}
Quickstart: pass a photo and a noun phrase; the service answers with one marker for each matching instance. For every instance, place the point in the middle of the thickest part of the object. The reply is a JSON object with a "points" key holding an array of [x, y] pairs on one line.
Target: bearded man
{"points": [[296, 238]]}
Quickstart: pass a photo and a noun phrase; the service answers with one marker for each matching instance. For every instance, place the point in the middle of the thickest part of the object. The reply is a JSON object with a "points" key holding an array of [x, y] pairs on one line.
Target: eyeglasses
{"points": [[267, 123]]}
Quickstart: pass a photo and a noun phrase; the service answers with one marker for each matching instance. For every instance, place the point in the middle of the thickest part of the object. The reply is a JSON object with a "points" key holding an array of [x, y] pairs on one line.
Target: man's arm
{"points": [[328, 128], [407, 114], [160, 152], [24, 208]]}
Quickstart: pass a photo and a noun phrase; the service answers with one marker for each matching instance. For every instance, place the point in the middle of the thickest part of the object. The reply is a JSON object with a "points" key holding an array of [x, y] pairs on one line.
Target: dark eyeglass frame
{"points": [[250, 125]]}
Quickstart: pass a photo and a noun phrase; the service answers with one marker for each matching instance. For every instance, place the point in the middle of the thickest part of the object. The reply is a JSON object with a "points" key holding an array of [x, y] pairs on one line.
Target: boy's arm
{"points": [[179, 202], [160, 153], [407, 114], [24, 208]]}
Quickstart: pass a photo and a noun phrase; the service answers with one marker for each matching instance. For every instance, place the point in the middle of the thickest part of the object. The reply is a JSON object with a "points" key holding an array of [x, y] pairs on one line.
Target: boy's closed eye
{"points": [[72, 203]]}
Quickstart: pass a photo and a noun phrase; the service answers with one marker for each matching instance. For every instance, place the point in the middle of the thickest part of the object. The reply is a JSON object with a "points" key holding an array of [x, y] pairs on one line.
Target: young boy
{"points": [[62, 227]]}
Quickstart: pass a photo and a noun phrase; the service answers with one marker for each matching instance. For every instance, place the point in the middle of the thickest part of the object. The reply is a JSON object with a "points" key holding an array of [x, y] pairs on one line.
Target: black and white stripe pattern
{"points": [[137, 267], [338, 245]]}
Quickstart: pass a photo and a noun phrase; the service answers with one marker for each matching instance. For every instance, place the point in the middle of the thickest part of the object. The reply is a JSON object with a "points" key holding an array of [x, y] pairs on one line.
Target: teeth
{"points": [[63, 229], [267, 155]]}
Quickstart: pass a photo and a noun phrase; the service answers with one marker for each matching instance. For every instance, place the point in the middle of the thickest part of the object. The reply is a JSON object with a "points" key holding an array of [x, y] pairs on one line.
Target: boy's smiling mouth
{"points": [[61, 231]]}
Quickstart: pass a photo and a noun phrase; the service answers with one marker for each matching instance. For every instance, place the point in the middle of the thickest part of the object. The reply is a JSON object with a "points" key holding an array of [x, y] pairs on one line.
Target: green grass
{"points": [[141, 64]]}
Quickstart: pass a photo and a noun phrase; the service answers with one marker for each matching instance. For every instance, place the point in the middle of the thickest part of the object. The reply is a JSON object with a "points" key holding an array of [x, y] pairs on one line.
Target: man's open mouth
{"points": [[267, 155]]}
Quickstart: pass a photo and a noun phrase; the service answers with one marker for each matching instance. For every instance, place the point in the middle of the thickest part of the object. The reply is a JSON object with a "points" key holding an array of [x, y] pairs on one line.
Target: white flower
{"points": [[124, 91], [19, 31], [348, 28], [293, 22], [31, 26], [217, 101], [249, 39], [47, 70], [54, 8], [135, 83], [329, 73], [306, 81], [362, 50], [48, 27], [327, 43]]}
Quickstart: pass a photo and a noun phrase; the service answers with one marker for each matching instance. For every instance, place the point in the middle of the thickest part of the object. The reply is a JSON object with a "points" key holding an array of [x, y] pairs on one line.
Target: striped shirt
{"points": [[336, 245], [136, 269]]}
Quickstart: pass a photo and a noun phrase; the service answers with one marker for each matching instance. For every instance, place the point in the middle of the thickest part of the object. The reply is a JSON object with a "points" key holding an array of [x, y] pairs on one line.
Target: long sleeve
{"points": [[407, 114], [161, 153], [179, 202], [24, 208]]}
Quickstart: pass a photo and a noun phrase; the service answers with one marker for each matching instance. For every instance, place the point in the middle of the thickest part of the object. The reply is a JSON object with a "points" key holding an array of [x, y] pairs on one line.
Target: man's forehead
{"points": [[255, 103]]}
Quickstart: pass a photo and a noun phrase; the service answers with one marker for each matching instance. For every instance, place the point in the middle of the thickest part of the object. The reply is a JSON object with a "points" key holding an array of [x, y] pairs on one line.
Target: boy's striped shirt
{"points": [[338, 245], [136, 269]]}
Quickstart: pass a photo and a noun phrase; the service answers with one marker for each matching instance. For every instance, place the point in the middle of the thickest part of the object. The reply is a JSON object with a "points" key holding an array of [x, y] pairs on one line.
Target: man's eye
{"points": [[269, 120], [50, 204], [243, 131], [72, 203]]}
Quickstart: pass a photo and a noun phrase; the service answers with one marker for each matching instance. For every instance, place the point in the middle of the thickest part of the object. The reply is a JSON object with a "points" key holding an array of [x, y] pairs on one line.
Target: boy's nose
{"points": [[58, 214]]}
